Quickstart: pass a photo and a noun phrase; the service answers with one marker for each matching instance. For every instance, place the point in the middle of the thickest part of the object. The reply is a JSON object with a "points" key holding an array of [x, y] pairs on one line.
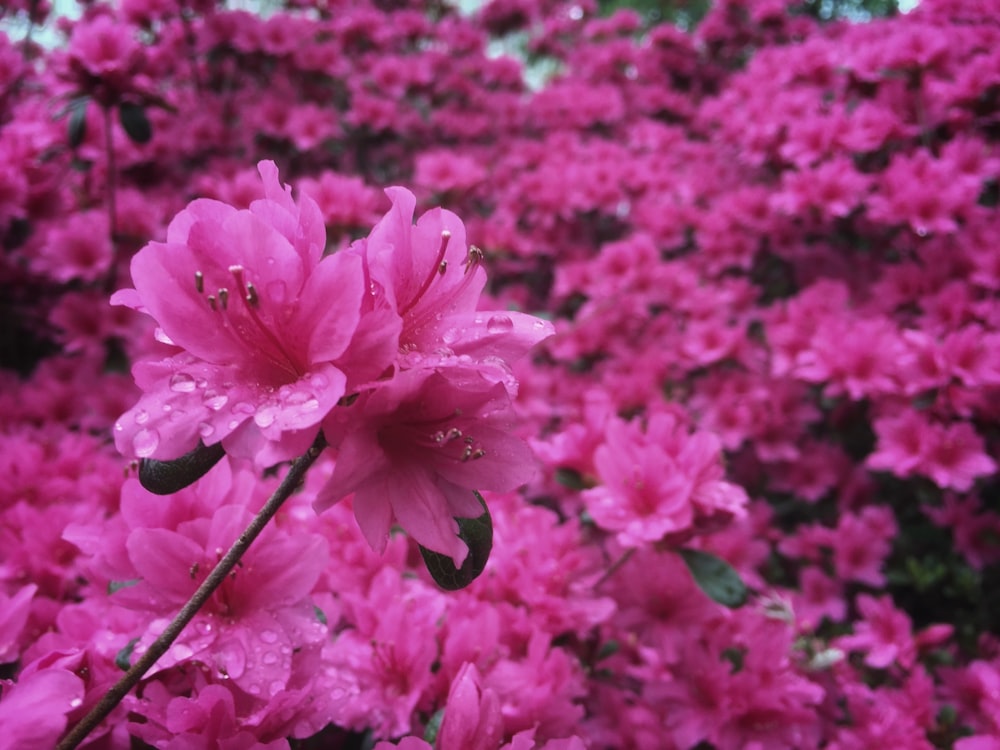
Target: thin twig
{"points": [[162, 644]]}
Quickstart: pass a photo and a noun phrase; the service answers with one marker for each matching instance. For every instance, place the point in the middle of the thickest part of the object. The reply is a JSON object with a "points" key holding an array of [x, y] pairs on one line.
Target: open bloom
{"points": [[261, 316], [415, 450]]}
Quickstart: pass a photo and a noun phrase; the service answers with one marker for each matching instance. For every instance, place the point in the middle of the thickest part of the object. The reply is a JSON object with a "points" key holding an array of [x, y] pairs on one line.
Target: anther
{"points": [[211, 301], [442, 267], [237, 272], [453, 434], [467, 453], [252, 299], [223, 297], [477, 454], [199, 281], [474, 258], [469, 440]]}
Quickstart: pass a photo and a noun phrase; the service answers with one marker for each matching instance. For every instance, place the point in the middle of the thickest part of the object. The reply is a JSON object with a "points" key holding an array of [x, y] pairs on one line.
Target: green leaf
{"points": [[477, 533], [77, 129], [716, 578], [124, 658], [114, 586], [433, 727], [167, 477], [320, 614], [135, 122]]}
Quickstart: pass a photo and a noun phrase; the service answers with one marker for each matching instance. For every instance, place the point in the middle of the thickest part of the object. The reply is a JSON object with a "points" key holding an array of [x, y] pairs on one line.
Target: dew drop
{"points": [[141, 416], [181, 652], [243, 407], [145, 442], [276, 687], [167, 408], [270, 658], [215, 401], [254, 690], [265, 417], [181, 382], [319, 381], [76, 703], [451, 335], [268, 636], [500, 324], [539, 324], [119, 427], [233, 424], [205, 429]]}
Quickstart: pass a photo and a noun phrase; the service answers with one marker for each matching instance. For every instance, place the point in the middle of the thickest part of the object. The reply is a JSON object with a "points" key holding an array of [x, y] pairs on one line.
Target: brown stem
{"points": [[162, 644]]}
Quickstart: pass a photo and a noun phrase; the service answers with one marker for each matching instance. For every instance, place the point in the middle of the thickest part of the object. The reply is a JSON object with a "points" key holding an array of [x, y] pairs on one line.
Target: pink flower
{"points": [[33, 711], [660, 482], [262, 317], [415, 449], [472, 719], [885, 634]]}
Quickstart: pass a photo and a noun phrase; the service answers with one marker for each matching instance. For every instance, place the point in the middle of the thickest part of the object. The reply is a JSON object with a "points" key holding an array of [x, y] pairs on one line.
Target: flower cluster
{"points": [[757, 254]]}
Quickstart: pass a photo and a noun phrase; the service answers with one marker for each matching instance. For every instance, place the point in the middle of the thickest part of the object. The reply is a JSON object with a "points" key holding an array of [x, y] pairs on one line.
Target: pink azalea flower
{"points": [[33, 711], [885, 634], [261, 316], [472, 715], [416, 448], [660, 482]]}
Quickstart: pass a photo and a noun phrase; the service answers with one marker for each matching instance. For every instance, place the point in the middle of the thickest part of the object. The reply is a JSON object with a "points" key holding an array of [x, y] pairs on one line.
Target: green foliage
{"points": [[477, 533]]}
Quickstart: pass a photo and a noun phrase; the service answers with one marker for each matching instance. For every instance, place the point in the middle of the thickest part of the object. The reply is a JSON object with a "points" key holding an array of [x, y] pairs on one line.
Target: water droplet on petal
{"points": [[181, 651], [205, 429], [76, 703], [451, 335], [269, 658], [181, 382], [539, 324], [233, 424], [119, 427], [265, 416], [500, 324], [254, 689], [319, 381], [145, 442], [141, 416], [269, 636], [243, 407], [215, 401], [276, 687]]}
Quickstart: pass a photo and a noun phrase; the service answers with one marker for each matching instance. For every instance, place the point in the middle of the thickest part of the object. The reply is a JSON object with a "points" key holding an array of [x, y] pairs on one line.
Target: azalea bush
{"points": [[638, 387]]}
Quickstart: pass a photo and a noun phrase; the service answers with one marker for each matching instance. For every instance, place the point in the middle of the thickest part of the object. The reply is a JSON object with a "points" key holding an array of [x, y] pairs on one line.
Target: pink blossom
{"points": [[660, 482], [261, 316], [33, 710], [885, 635], [414, 450], [472, 718]]}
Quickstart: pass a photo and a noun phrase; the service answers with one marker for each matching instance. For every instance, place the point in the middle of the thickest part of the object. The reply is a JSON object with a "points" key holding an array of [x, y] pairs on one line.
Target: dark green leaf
{"points": [[716, 578], [571, 478], [124, 658], [433, 727], [114, 586], [135, 122], [77, 121], [320, 614], [477, 533], [167, 477]]}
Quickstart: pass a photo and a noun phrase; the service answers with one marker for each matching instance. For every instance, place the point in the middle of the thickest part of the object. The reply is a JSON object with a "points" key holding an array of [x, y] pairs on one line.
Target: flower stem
{"points": [[162, 644]]}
